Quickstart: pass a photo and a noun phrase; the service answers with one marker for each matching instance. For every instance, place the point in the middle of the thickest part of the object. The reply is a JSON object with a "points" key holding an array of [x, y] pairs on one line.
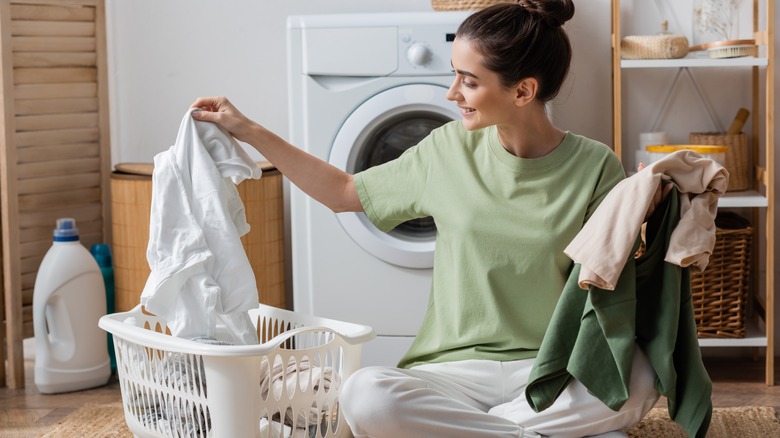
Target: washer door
{"points": [[380, 130]]}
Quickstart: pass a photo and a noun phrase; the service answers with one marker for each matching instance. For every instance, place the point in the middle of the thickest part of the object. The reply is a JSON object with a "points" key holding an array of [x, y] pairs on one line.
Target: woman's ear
{"points": [[526, 91]]}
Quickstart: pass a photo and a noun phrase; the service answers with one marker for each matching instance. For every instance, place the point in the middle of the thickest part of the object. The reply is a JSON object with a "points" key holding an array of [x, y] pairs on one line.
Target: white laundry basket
{"points": [[173, 387]]}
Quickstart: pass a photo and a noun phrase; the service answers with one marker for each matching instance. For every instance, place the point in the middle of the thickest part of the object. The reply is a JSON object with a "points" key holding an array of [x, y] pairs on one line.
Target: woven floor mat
{"points": [[107, 420], [741, 422], [92, 420]]}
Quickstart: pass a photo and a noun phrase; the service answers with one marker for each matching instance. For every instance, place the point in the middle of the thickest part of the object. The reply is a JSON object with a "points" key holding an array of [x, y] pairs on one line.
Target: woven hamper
{"points": [[131, 201], [463, 5], [720, 293], [737, 157]]}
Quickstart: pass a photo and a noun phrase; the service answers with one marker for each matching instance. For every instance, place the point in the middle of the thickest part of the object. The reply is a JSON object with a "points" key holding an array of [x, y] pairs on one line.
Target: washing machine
{"points": [[363, 88]]}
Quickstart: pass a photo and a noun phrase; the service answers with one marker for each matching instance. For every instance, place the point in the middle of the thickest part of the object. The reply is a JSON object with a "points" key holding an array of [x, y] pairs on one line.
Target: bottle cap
{"points": [[66, 230], [102, 253]]}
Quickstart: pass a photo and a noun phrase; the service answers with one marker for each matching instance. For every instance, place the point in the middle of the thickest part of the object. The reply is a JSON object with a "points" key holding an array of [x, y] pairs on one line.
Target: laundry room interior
{"points": [[341, 80]]}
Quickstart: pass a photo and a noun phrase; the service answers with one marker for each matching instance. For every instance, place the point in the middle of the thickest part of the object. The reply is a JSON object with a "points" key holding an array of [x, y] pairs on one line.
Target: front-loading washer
{"points": [[363, 88]]}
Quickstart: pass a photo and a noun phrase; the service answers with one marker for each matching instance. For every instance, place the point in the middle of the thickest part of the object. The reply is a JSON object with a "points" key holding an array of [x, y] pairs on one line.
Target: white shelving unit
{"points": [[755, 337], [744, 199], [694, 61], [762, 198]]}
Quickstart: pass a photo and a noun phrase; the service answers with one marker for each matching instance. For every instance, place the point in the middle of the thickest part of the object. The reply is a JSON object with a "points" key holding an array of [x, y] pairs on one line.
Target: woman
{"points": [[508, 190]]}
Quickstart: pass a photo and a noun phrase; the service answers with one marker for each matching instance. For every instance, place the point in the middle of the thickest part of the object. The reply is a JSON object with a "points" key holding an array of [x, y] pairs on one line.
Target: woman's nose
{"points": [[453, 92]]}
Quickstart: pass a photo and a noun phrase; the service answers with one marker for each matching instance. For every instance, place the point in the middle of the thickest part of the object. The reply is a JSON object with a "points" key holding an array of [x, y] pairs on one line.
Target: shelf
{"points": [[742, 199], [754, 337], [690, 61], [760, 69]]}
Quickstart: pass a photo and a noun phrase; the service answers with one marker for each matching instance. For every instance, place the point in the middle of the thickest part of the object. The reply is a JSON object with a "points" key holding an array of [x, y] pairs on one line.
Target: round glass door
{"points": [[378, 131]]}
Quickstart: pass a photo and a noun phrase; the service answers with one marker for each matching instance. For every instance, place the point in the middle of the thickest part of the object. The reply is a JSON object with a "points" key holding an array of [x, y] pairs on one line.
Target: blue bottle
{"points": [[102, 254]]}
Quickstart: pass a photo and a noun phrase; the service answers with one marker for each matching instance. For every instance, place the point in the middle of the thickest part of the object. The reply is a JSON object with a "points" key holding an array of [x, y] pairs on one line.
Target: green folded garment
{"points": [[592, 334]]}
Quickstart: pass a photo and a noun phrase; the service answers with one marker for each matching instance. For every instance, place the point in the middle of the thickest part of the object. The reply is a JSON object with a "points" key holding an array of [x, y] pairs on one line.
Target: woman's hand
{"points": [[658, 197], [329, 185], [220, 111]]}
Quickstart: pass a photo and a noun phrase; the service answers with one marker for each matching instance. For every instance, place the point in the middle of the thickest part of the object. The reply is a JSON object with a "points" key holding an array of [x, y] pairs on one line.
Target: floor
{"points": [[28, 406], [736, 382]]}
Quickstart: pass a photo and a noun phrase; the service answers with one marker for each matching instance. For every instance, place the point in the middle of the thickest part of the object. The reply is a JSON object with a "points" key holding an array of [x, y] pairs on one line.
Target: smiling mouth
{"points": [[467, 110]]}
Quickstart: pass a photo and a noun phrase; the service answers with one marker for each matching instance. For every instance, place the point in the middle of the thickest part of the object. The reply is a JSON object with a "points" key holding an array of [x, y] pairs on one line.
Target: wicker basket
{"points": [[737, 157], [131, 201], [463, 5], [720, 293], [661, 46]]}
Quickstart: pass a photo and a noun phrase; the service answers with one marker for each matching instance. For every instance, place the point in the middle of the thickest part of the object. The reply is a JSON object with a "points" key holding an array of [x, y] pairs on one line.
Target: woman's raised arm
{"points": [[327, 184]]}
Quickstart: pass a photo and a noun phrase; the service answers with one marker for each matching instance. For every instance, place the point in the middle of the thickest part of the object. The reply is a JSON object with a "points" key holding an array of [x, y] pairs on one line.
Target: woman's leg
{"points": [[576, 413], [435, 400]]}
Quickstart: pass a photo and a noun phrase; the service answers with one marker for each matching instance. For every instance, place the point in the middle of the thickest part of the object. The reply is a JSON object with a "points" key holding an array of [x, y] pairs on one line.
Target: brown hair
{"points": [[522, 40]]}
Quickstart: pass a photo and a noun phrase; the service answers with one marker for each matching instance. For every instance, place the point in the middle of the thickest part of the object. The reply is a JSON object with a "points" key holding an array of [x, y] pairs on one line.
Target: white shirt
{"points": [[201, 281]]}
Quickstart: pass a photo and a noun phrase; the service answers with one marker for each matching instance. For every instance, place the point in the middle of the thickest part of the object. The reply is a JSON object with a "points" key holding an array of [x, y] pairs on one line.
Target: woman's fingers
{"points": [[212, 104]]}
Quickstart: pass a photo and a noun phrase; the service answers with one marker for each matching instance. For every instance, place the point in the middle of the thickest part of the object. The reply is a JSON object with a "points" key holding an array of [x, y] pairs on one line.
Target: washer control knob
{"points": [[418, 54]]}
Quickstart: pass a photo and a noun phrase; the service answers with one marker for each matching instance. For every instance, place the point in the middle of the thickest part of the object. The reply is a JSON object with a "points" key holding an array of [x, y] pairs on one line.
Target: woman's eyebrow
{"points": [[463, 72]]}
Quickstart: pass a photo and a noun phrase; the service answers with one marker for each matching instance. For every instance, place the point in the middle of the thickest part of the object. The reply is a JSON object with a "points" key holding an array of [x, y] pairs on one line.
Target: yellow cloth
{"points": [[605, 241]]}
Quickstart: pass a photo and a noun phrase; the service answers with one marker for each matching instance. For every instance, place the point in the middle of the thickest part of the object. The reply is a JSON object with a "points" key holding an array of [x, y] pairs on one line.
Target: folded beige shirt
{"points": [[605, 241]]}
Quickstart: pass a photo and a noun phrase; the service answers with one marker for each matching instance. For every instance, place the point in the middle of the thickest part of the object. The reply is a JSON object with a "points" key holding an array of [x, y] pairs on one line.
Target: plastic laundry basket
{"points": [[173, 387]]}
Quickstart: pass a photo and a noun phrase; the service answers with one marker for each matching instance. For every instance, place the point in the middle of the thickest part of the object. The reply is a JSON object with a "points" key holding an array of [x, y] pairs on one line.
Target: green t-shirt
{"points": [[502, 224]]}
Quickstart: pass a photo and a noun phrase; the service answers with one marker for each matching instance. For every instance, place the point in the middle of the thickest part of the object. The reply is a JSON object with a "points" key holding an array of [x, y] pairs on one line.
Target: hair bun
{"points": [[553, 12]]}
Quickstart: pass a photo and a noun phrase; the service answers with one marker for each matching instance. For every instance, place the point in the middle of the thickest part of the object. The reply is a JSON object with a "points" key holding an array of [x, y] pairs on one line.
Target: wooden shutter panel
{"points": [[54, 144]]}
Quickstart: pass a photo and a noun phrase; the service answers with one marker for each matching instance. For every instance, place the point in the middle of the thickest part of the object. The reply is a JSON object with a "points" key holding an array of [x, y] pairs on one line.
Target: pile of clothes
{"points": [[187, 414], [281, 380], [182, 412]]}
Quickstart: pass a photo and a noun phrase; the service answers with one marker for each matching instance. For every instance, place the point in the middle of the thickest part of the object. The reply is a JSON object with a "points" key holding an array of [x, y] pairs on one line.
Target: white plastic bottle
{"points": [[68, 300]]}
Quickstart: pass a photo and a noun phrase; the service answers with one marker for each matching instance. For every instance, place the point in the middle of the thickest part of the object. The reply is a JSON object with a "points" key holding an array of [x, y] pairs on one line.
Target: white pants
{"points": [[480, 398]]}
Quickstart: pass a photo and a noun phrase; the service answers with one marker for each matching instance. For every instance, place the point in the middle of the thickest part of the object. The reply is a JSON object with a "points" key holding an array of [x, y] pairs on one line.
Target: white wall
{"points": [[164, 54]]}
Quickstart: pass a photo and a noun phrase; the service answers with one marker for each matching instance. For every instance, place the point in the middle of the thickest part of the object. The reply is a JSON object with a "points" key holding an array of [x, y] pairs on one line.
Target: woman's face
{"points": [[478, 92]]}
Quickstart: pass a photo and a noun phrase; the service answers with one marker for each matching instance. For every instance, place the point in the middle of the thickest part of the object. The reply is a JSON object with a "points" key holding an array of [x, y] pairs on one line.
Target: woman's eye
{"points": [[468, 84]]}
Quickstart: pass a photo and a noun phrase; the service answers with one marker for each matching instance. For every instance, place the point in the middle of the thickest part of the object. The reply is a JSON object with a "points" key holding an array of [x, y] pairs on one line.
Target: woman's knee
{"points": [[642, 385], [366, 397], [354, 388]]}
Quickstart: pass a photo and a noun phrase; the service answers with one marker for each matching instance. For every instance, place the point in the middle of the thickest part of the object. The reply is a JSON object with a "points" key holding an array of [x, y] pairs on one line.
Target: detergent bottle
{"points": [[102, 254], [68, 300]]}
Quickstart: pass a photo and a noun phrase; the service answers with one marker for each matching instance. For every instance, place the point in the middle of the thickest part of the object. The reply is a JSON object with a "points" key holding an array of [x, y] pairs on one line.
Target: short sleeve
{"points": [[393, 192], [611, 173]]}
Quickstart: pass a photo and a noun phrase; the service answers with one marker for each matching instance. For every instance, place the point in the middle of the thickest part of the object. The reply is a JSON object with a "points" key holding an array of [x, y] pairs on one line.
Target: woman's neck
{"points": [[531, 134]]}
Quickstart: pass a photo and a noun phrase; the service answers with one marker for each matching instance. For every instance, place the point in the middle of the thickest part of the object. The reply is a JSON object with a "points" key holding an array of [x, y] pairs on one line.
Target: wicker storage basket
{"points": [[663, 46], [737, 157], [131, 202], [720, 293], [463, 5]]}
